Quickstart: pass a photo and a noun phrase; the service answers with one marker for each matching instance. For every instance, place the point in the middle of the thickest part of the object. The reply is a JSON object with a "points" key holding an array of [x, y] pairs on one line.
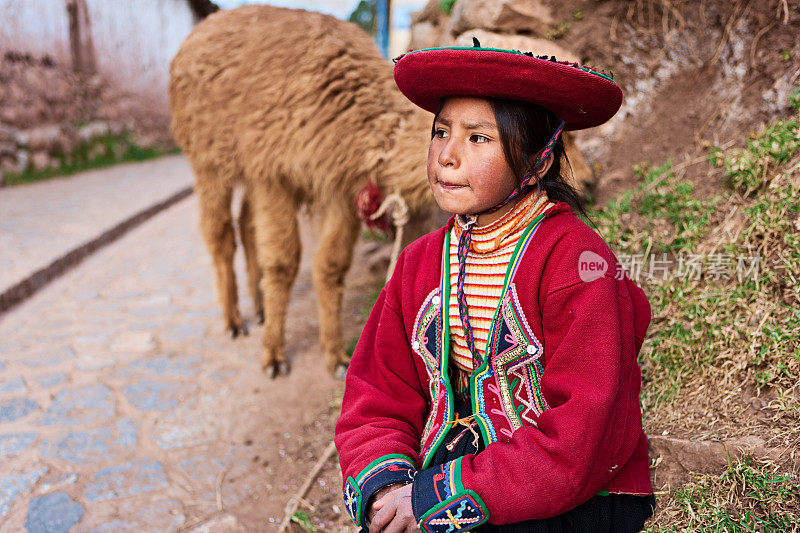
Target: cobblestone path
{"points": [[42, 221], [123, 407]]}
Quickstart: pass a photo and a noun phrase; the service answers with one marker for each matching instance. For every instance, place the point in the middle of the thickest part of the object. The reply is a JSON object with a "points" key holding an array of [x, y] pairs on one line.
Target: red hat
{"points": [[581, 96]]}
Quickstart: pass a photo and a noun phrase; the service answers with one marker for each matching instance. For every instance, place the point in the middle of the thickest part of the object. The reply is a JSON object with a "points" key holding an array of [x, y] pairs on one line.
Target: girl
{"points": [[495, 384]]}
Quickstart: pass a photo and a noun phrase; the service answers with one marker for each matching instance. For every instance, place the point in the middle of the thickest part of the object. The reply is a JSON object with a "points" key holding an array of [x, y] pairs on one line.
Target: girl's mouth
{"points": [[450, 186]]}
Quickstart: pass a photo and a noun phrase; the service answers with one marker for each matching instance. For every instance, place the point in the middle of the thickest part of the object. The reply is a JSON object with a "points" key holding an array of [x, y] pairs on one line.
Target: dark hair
{"points": [[524, 131]]}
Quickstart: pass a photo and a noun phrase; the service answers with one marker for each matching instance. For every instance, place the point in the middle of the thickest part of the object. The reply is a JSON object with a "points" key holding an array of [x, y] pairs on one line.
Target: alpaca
{"points": [[300, 109]]}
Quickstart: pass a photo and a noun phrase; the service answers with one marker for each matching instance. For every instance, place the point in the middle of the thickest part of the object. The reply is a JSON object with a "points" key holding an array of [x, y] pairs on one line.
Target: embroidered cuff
{"points": [[393, 468], [440, 502]]}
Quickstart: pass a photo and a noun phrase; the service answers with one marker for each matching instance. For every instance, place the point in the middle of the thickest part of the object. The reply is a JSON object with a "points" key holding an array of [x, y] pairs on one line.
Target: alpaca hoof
{"points": [[275, 368], [234, 331], [337, 364], [260, 316]]}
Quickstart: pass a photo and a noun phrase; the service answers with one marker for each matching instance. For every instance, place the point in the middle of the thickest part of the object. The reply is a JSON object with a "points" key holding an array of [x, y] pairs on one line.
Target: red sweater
{"points": [[556, 400]]}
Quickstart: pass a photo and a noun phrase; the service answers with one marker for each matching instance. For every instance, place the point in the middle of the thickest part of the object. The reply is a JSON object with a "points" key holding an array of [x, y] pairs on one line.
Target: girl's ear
{"points": [[543, 168]]}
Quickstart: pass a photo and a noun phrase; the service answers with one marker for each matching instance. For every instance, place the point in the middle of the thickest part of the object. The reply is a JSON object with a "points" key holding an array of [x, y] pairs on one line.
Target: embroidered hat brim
{"points": [[580, 96]]}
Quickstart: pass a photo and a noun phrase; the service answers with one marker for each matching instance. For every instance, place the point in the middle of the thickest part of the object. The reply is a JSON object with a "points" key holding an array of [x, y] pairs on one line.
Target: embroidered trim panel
{"points": [[460, 513], [426, 341], [479, 403], [442, 504], [392, 468], [352, 500], [443, 407], [517, 365], [436, 425]]}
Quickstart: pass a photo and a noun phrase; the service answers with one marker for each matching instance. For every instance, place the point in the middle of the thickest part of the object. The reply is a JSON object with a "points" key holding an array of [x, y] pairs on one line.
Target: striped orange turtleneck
{"points": [[487, 261]]}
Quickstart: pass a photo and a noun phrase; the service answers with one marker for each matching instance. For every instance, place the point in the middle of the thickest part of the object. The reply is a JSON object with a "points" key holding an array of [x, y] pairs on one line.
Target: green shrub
{"points": [[446, 6], [100, 152], [794, 99], [748, 170]]}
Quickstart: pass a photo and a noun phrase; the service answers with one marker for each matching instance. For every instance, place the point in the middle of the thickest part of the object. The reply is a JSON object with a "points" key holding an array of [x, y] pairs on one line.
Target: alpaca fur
{"points": [[300, 109]]}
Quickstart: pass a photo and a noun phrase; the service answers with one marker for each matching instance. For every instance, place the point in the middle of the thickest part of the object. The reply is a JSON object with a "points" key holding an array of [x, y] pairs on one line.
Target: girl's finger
{"points": [[380, 502], [382, 518], [384, 495], [395, 526], [401, 523]]}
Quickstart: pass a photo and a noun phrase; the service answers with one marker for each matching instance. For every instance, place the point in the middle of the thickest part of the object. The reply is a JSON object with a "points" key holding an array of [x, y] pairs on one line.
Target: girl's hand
{"points": [[379, 500], [395, 515]]}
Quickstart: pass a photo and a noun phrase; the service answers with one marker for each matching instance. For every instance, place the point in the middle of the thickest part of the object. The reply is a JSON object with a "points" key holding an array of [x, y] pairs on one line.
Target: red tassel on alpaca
{"points": [[367, 202]]}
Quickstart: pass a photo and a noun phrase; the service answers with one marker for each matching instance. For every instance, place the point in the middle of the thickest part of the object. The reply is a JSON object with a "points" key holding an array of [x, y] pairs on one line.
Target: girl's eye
{"points": [[440, 133], [478, 138]]}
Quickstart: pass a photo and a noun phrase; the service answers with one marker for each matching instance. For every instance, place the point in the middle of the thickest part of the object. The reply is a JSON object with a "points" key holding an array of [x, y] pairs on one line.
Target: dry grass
{"points": [[749, 496]]}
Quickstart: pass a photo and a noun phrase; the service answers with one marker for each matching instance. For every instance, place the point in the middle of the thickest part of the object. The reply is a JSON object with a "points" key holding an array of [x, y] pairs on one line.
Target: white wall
{"points": [[39, 27], [134, 40]]}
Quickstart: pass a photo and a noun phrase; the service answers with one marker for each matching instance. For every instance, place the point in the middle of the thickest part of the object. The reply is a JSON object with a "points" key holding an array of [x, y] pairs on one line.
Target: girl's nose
{"points": [[448, 156]]}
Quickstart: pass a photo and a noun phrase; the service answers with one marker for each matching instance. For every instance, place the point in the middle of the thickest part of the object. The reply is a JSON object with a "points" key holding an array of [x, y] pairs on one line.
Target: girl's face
{"points": [[467, 170]]}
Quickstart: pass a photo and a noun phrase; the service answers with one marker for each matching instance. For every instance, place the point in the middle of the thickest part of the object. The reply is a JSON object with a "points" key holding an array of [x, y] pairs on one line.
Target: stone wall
{"points": [[75, 70], [509, 24], [47, 111]]}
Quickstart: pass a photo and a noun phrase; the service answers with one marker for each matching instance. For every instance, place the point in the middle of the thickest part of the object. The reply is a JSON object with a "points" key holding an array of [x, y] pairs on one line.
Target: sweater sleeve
{"points": [[591, 384], [377, 434]]}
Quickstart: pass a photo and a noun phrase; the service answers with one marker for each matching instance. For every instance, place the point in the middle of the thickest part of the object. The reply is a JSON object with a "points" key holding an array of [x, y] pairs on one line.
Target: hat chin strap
{"points": [[465, 241]]}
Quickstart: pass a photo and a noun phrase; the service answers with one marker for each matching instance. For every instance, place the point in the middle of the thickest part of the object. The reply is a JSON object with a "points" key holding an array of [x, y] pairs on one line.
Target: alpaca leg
{"points": [[247, 232], [216, 223], [278, 252], [338, 234]]}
